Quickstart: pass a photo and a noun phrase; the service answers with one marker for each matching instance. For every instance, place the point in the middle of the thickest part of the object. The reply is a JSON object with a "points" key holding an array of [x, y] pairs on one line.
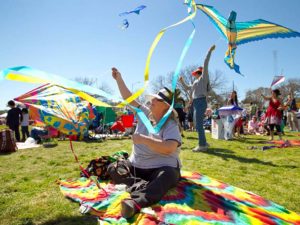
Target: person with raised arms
{"points": [[199, 90], [153, 167]]}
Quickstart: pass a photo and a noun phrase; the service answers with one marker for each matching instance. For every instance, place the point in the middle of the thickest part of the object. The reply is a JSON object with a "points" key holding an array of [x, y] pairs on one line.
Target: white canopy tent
{"points": [[3, 115]]}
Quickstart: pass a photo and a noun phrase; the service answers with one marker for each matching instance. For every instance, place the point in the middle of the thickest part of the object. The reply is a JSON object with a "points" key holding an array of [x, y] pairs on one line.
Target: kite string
{"points": [[27, 74], [76, 159], [186, 47], [84, 170], [151, 50]]}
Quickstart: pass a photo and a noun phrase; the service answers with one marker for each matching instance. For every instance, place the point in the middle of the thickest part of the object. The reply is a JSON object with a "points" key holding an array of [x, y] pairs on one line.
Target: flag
{"points": [[277, 80]]}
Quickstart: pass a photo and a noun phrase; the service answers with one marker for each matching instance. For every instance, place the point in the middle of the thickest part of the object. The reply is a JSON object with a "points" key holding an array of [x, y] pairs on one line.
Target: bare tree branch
{"points": [[93, 82], [217, 83], [291, 86], [105, 87], [86, 80]]}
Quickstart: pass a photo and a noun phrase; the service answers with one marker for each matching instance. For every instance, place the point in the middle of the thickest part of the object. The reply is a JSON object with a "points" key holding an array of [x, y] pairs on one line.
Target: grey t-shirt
{"points": [[200, 87], [143, 157]]}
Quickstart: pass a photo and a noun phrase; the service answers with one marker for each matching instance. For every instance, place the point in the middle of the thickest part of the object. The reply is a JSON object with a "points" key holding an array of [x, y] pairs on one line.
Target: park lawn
{"points": [[30, 195]]}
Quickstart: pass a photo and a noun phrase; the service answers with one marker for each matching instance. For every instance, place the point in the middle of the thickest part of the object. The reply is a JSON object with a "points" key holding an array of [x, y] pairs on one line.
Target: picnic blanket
{"points": [[276, 144], [286, 143], [23, 145], [198, 199]]}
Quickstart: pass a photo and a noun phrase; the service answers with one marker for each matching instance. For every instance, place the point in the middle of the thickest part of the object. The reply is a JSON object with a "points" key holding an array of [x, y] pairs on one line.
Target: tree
{"points": [[105, 87], [217, 83], [159, 83], [219, 91], [254, 96], [93, 82], [3, 111], [86, 80], [291, 86]]}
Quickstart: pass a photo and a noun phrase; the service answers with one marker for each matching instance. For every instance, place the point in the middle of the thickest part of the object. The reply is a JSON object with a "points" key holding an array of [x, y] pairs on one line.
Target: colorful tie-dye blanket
{"points": [[197, 199]]}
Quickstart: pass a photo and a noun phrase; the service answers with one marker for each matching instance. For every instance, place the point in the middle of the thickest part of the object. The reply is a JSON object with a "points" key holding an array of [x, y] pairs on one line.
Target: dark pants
{"points": [[36, 134], [272, 126], [15, 129], [146, 186], [25, 132]]}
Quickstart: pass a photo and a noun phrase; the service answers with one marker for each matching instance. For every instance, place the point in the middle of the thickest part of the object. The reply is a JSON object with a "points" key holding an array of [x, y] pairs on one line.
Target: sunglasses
{"points": [[159, 100]]}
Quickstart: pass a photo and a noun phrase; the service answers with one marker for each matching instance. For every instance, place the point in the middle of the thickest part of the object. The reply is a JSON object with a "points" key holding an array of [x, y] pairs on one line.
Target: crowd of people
{"points": [[255, 120], [264, 120], [154, 164]]}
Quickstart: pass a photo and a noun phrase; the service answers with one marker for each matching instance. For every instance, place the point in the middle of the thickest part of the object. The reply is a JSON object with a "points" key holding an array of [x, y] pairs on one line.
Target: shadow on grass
{"points": [[227, 154], [74, 220], [251, 141], [6, 153], [117, 138], [193, 138]]}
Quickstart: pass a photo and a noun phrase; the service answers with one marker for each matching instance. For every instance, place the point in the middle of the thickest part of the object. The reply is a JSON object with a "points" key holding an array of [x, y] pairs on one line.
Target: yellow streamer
{"points": [[152, 48], [89, 98], [22, 78], [11, 75]]}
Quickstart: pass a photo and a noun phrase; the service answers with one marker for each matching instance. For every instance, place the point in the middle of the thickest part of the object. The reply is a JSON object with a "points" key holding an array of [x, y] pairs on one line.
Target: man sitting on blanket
{"points": [[154, 166]]}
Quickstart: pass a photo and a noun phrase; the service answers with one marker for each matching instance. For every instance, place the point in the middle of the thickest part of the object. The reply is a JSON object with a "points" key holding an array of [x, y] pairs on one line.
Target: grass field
{"points": [[30, 195]]}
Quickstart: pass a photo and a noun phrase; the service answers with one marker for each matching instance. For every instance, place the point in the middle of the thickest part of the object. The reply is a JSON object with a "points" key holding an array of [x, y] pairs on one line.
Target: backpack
{"points": [[98, 167], [7, 141]]}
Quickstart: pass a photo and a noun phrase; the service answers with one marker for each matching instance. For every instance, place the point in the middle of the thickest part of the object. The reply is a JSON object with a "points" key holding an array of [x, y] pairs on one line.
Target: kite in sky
{"points": [[136, 11], [125, 24], [237, 33], [277, 80]]}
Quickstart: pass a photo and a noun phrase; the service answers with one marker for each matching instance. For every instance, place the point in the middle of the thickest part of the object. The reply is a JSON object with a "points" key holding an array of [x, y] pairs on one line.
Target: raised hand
{"points": [[115, 73]]}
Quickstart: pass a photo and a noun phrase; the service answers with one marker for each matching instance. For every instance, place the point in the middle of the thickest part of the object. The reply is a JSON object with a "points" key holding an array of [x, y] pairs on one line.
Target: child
{"points": [[253, 126], [238, 126], [25, 124]]}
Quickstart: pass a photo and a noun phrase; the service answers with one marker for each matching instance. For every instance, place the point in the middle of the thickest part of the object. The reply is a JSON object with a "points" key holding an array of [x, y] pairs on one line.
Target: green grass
{"points": [[29, 194]]}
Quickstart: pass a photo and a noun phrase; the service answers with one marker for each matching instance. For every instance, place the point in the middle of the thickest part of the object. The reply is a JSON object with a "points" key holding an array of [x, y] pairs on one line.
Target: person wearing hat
{"points": [[273, 113], [14, 118], [153, 166], [199, 90]]}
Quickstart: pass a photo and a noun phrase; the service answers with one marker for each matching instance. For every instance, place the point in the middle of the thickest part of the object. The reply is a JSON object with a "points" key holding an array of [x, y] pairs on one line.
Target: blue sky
{"points": [[76, 38]]}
